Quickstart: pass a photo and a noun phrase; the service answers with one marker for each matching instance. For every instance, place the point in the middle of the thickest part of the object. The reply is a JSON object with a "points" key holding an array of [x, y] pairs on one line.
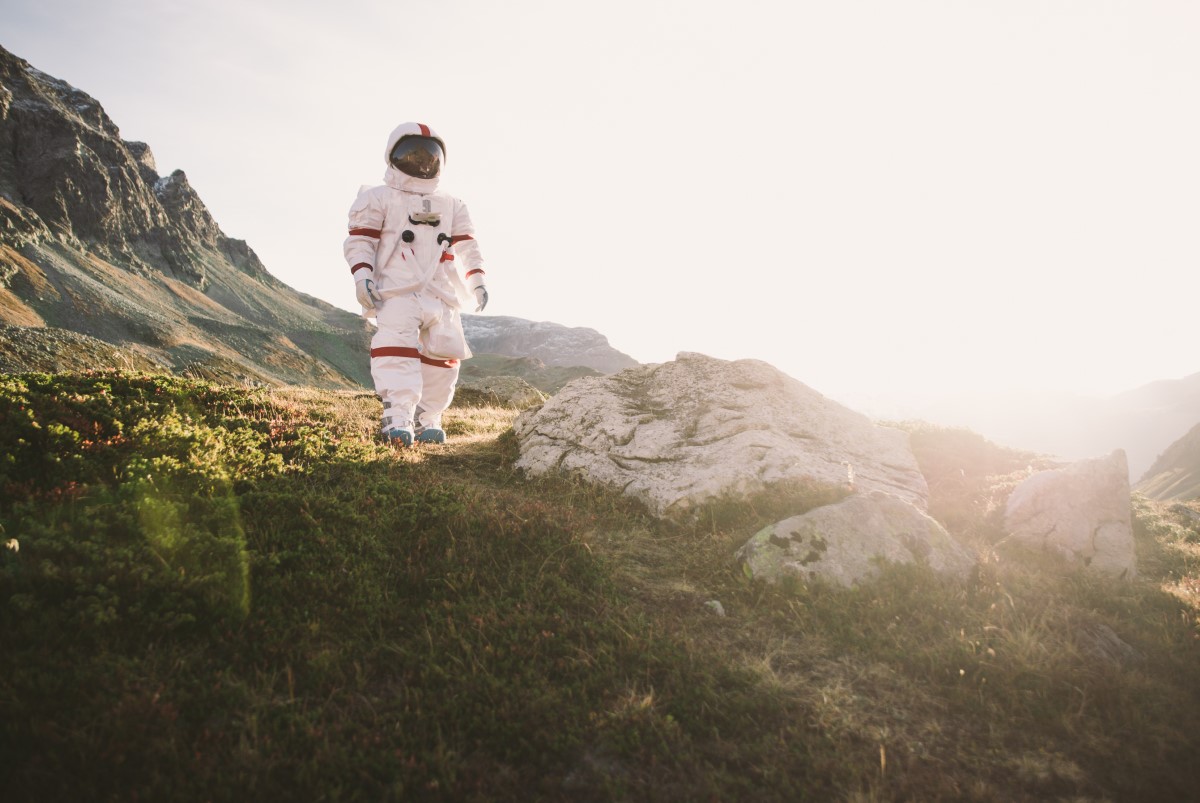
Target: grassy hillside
{"points": [[1176, 472], [229, 594], [548, 379]]}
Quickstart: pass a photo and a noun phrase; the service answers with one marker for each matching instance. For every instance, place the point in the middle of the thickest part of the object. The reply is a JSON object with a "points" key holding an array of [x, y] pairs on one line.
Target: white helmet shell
{"points": [[409, 130]]}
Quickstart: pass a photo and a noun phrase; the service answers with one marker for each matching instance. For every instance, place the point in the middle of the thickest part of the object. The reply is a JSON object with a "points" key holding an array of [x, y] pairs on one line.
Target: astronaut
{"points": [[405, 244]]}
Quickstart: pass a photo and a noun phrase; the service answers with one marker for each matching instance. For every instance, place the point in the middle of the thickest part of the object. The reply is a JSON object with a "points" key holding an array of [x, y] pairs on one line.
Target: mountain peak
{"points": [[72, 172]]}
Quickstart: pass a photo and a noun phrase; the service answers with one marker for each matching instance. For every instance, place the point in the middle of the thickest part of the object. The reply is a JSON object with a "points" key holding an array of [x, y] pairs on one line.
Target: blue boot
{"points": [[399, 437], [431, 435]]}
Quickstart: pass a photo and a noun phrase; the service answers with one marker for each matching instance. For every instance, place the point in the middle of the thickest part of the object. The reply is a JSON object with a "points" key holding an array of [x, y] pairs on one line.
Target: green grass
{"points": [[233, 594]]}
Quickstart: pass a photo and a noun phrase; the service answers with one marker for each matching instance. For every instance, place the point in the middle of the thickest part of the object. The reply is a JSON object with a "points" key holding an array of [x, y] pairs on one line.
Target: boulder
{"points": [[848, 542], [1080, 512], [682, 433]]}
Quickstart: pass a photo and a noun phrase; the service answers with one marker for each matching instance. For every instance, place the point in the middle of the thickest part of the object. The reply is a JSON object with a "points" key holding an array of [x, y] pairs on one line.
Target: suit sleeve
{"points": [[366, 224], [462, 239]]}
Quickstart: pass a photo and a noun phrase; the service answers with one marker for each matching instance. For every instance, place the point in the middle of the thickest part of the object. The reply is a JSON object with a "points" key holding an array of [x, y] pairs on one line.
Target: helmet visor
{"points": [[419, 157]]}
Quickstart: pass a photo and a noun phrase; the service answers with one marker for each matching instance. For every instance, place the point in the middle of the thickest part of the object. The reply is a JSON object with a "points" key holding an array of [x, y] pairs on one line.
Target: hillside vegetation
{"points": [[220, 593], [1176, 472], [548, 379]]}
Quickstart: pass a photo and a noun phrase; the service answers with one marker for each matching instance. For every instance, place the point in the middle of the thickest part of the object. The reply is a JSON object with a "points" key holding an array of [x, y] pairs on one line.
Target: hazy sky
{"points": [[889, 200]]}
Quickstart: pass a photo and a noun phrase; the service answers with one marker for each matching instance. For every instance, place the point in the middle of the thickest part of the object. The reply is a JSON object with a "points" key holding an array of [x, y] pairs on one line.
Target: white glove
{"points": [[481, 298], [364, 288]]}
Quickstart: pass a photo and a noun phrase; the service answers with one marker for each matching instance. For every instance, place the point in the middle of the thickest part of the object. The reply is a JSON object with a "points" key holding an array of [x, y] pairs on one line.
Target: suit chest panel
{"points": [[423, 227]]}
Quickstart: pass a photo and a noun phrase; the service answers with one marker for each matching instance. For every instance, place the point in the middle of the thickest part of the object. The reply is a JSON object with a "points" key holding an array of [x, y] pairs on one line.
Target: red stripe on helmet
{"points": [[365, 233], [424, 129]]}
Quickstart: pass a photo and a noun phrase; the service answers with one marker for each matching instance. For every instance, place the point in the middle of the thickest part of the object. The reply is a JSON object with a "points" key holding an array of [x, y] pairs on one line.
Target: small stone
{"points": [[715, 606]]}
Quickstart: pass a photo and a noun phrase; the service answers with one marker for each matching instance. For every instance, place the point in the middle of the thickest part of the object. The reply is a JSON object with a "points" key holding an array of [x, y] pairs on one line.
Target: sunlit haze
{"points": [[901, 204]]}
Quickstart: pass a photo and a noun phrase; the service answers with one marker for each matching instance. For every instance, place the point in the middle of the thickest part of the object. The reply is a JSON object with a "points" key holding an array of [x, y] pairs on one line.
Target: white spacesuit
{"points": [[406, 241]]}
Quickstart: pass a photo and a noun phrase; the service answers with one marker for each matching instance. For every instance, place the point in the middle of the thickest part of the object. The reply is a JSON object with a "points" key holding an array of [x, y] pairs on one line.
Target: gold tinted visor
{"points": [[419, 157]]}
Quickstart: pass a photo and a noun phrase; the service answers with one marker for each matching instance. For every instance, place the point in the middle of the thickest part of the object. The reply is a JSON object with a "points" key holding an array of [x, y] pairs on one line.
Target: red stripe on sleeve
{"points": [[365, 233], [360, 266], [458, 238], [471, 273]]}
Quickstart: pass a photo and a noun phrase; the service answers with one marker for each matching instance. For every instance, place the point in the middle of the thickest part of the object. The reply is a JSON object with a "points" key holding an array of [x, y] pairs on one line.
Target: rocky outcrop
{"points": [[68, 168], [1080, 512], [683, 433], [552, 343], [849, 542]]}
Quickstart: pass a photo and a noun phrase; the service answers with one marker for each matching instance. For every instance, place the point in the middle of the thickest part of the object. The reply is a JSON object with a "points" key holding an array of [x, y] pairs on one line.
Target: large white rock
{"points": [[1080, 512], [848, 542], [685, 432]]}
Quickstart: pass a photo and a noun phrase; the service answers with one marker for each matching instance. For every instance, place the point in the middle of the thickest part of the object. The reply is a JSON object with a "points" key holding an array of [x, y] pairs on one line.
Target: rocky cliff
{"points": [[95, 243]]}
